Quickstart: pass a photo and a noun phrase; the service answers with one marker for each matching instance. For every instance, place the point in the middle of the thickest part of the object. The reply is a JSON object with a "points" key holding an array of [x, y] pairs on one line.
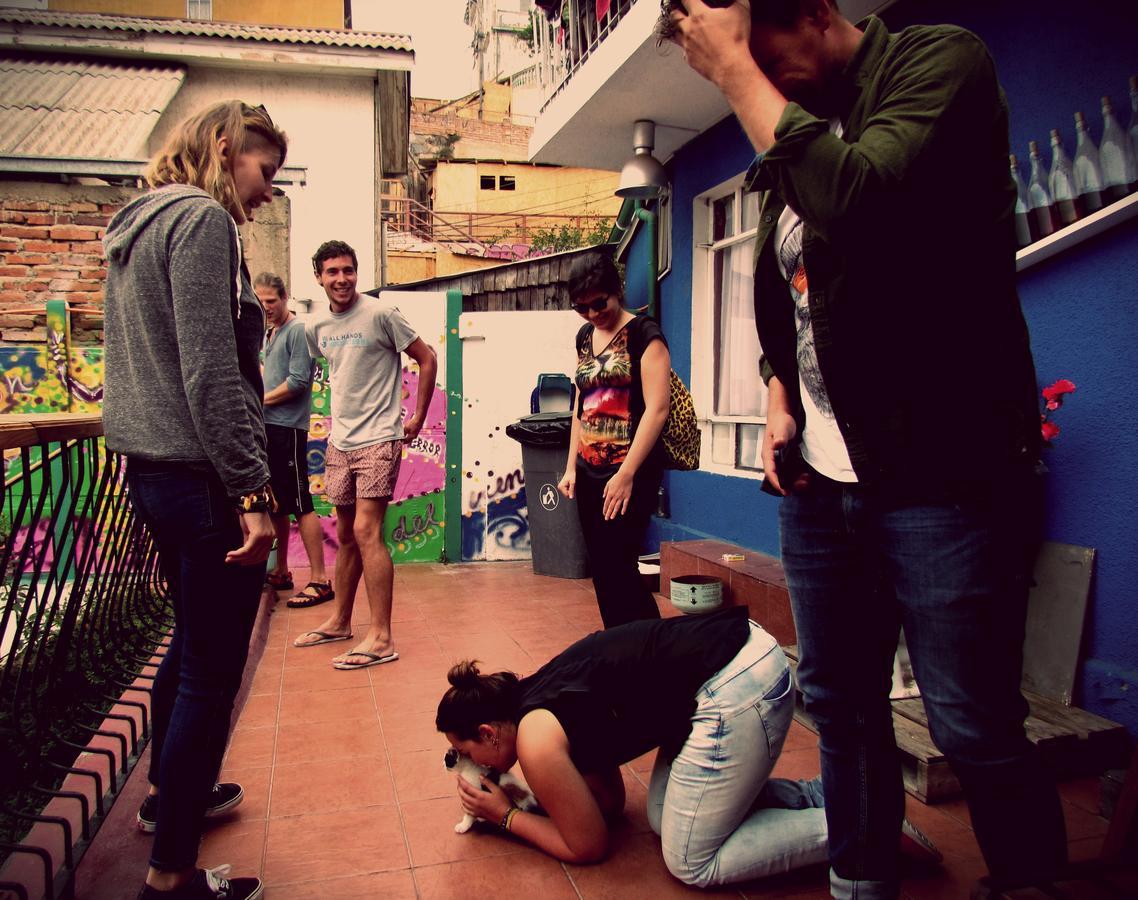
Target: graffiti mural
{"points": [[495, 520], [413, 526], [51, 377]]}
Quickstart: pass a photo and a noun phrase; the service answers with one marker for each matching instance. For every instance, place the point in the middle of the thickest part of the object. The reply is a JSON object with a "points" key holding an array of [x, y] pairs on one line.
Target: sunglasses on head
{"points": [[595, 305], [260, 108]]}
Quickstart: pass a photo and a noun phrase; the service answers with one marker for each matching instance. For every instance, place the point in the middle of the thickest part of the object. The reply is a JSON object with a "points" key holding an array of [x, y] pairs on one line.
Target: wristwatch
{"points": [[261, 500]]}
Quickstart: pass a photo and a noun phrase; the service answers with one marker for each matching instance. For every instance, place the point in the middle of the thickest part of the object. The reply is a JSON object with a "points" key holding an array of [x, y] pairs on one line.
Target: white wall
{"points": [[329, 120]]}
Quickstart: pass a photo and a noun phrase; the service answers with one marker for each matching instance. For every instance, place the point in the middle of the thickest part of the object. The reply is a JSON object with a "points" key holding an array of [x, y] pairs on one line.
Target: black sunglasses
{"points": [[595, 305], [260, 107]]}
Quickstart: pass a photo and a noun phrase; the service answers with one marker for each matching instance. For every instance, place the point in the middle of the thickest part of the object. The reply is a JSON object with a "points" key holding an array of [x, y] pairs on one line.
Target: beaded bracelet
{"points": [[508, 818]]}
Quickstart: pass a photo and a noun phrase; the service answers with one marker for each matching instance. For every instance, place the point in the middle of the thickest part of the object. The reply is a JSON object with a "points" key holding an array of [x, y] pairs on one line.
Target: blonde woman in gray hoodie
{"points": [[182, 402]]}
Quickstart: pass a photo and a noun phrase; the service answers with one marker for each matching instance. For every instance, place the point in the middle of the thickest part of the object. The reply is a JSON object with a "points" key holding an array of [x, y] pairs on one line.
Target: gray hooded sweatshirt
{"points": [[182, 377]]}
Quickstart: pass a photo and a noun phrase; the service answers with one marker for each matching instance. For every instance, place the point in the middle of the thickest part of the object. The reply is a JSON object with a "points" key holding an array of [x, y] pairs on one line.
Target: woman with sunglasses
{"points": [[615, 458], [182, 402]]}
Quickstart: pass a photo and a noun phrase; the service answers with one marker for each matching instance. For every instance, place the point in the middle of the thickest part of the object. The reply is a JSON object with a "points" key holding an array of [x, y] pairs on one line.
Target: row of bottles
{"points": [[1072, 189]]}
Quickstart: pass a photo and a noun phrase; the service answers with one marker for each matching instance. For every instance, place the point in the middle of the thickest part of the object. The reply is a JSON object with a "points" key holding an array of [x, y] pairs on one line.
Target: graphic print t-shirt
{"points": [[363, 347], [823, 446], [610, 394]]}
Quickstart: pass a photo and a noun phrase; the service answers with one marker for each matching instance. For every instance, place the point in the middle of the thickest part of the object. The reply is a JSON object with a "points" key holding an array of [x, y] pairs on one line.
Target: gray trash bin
{"points": [[555, 531]]}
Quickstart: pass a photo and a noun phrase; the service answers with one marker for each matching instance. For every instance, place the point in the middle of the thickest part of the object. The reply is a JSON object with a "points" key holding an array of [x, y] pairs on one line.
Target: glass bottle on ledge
{"points": [[1039, 196], [1026, 231], [1132, 131], [1119, 162], [1061, 182], [1088, 169]]}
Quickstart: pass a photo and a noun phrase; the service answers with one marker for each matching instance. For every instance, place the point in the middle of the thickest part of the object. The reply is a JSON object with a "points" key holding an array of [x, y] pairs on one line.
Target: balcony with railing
{"points": [[82, 614], [612, 71]]}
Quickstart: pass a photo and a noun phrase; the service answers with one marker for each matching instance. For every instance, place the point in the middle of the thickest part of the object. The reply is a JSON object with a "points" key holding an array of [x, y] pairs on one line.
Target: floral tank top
{"points": [[610, 394]]}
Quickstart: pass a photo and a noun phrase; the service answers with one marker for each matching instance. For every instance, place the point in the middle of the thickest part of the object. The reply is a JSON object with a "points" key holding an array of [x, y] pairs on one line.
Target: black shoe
{"points": [[209, 884], [222, 798]]}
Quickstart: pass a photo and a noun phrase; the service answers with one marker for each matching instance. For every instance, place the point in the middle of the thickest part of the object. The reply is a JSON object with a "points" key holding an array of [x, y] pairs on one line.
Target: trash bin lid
{"points": [[545, 429]]}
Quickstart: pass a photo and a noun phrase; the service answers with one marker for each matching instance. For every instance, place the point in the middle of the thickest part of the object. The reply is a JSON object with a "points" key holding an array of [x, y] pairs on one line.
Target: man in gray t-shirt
{"points": [[288, 410], [363, 341]]}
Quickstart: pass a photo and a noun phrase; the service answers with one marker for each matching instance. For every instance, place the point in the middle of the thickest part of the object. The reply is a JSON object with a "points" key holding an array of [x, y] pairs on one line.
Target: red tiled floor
{"points": [[346, 794], [532, 874], [334, 845]]}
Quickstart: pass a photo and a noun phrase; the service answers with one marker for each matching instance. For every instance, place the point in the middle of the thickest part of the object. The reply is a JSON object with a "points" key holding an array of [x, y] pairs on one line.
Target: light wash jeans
{"points": [[716, 823]]}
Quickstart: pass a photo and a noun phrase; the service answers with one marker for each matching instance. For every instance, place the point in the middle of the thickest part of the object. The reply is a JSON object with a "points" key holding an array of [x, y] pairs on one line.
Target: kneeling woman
{"points": [[713, 693]]}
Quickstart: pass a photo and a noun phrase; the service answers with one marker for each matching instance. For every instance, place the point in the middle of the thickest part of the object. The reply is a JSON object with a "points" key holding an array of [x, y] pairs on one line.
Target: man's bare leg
{"points": [[312, 534], [379, 578], [349, 567], [281, 526]]}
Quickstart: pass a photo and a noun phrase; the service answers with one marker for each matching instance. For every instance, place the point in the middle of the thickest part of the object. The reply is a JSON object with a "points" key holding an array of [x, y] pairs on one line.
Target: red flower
{"points": [[1050, 431], [1055, 393]]}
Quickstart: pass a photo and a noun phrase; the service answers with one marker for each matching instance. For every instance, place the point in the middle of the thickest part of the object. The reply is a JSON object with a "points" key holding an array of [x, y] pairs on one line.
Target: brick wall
{"points": [[471, 129], [51, 249]]}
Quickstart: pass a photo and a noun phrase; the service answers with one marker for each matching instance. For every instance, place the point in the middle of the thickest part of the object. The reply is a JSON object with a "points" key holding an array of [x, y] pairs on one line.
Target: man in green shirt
{"points": [[885, 262]]}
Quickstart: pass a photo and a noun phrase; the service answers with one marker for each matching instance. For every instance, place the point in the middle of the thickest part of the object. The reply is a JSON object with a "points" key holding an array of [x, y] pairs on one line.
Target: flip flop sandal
{"points": [[279, 582], [373, 659], [325, 638], [304, 599]]}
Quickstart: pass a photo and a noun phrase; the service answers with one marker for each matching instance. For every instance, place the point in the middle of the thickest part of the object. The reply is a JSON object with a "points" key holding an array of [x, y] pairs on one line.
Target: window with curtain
{"points": [[725, 347], [201, 10]]}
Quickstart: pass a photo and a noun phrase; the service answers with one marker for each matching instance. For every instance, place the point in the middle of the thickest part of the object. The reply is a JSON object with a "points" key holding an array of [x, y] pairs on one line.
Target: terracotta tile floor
{"points": [[346, 795]]}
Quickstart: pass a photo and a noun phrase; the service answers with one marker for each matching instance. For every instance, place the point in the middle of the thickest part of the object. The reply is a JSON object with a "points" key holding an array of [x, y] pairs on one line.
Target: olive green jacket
{"points": [[909, 248]]}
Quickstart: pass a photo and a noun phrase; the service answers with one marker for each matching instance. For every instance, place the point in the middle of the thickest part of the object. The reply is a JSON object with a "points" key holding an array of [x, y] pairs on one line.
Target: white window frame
{"points": [[195, 8], [703, 328]]}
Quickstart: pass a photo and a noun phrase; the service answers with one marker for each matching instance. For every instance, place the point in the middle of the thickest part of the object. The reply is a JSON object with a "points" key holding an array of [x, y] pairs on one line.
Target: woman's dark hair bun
{"points": [[464, 674], [474, 698]]}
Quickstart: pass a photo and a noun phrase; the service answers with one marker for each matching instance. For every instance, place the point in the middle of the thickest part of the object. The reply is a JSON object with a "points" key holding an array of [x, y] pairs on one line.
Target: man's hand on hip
{"points": [[412, 427]]}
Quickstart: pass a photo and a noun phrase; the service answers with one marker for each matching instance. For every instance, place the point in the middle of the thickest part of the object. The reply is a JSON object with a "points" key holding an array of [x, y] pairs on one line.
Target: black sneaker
{"points": [[222, 799], [209, 884]]}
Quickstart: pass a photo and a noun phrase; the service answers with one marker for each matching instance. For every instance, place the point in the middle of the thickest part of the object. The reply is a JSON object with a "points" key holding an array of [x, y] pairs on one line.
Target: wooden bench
{"points": [[1073, 741], [756, 581]]}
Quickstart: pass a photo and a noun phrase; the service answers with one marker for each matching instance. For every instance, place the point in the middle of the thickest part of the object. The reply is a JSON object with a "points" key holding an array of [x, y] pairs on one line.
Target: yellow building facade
{"points": [[499, 199], [286, 13]]}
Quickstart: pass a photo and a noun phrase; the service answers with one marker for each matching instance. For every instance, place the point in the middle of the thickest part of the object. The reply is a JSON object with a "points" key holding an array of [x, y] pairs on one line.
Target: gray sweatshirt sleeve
{"points": [[202, 266]]}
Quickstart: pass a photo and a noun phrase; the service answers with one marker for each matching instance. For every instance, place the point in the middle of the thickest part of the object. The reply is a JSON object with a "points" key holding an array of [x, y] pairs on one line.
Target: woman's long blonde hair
{"points": [[191, 155]]}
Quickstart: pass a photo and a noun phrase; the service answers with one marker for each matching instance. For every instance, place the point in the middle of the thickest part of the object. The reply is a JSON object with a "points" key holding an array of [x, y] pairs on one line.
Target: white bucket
{"points": [[696, 593]]}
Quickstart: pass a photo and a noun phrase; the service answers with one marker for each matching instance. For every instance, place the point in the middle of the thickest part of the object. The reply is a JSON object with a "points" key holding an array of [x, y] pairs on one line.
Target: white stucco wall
{"points": [[329, 120]]}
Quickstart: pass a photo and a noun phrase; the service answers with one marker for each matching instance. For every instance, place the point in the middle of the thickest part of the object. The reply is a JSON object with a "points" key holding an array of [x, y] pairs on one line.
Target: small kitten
{"points": [[516, 789]]}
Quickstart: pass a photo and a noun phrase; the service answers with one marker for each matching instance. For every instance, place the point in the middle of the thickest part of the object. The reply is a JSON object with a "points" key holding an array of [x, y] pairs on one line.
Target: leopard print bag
{"points": [[681, 434]]}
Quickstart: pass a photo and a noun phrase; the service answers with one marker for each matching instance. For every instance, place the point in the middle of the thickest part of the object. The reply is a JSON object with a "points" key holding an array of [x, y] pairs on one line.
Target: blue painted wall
{"points": [[1054, 57]]}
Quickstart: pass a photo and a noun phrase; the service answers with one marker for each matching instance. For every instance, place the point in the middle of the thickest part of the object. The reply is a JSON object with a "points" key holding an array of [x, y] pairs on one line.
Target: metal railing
{"points": [[582, 29], [82, 612], [408, 216]]}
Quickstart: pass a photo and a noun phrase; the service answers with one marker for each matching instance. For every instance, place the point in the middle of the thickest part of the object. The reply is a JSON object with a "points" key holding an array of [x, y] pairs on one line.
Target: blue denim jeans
{"points": [[194, 524], [716, 822], [955, 575]]}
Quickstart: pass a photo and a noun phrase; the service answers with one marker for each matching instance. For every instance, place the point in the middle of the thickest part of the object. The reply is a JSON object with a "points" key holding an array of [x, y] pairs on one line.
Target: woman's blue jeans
{"points": [[955, 575], [194, 525], [716, 823]]}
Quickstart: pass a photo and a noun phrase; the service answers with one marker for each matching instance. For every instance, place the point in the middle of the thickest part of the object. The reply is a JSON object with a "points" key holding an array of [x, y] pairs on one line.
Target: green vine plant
{"points": [[559, 238]]}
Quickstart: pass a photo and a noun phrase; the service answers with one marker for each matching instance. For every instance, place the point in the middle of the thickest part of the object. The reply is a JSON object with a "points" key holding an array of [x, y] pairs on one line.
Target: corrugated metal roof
{"points": [[82, 109], [328, 37]]}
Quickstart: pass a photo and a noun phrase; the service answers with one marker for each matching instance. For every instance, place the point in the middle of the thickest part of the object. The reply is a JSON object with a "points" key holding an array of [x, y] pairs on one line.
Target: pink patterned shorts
{"points": [[367, 473]]}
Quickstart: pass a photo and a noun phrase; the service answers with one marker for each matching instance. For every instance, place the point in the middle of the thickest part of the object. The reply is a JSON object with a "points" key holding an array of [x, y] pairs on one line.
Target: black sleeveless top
{"points": [[619, 693]]}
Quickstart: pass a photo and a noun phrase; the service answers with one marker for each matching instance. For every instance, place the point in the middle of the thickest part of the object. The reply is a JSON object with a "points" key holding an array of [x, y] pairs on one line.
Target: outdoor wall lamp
{"points": [[642, 177]]}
